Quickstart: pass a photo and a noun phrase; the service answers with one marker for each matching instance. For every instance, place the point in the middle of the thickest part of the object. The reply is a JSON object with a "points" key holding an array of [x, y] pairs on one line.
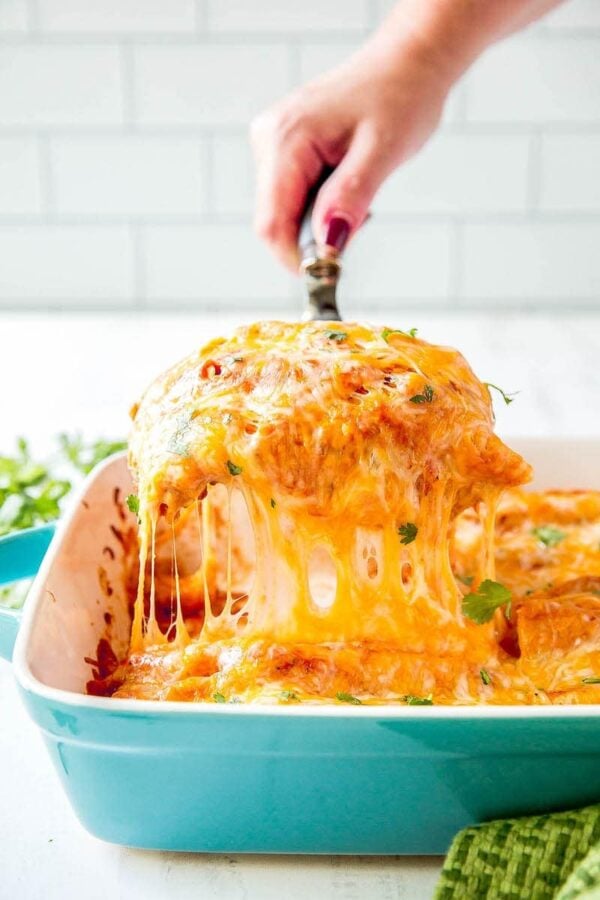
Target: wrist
{"points": [[441, 37]]}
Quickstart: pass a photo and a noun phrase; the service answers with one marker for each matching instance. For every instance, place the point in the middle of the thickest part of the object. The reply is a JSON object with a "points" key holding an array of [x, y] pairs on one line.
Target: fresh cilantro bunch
{"points": [[31, 491]]}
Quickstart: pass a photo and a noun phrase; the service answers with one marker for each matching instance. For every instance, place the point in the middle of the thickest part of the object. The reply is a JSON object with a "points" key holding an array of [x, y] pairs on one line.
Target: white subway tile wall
{"points": [[126, 178]]}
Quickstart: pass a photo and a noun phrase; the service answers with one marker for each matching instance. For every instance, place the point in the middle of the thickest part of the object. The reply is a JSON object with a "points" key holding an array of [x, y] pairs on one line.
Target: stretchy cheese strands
{"points": [[338, 439], [180, 629]]}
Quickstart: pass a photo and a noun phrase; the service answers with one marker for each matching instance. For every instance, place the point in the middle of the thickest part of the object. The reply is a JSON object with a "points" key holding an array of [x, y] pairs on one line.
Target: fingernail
{"points": [[338, 232]]}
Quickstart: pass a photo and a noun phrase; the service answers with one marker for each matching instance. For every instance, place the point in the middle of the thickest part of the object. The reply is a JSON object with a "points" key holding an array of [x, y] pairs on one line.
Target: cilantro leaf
{"points": [[233, 469], [425, 397], [289, 696], [407, 532], [485, 676], [218, 697], [480, 605], [133, 504], [412, 332], [336, 335], [508, 398], [411, 700], [549, 535], [343, 697], [466, 579]]}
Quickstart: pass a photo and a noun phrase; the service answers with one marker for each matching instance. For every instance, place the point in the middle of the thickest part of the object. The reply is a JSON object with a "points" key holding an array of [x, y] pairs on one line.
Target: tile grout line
{"points": [[140, 279], [201, 16], [456, 273], [534, 172], [207, 162], [47, 178], [33, 18], [127, 80]]}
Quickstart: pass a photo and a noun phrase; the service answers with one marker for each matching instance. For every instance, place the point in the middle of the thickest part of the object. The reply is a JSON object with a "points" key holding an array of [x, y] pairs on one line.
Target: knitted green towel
{"points": [[549, 857]]}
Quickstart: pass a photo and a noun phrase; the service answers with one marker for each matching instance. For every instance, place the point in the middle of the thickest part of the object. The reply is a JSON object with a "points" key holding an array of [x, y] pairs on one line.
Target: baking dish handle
{"points": [[20, 556]]}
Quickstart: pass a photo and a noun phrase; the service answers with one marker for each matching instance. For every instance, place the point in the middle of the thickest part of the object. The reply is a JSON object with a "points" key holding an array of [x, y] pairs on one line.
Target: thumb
{"points": [[343, 202]]}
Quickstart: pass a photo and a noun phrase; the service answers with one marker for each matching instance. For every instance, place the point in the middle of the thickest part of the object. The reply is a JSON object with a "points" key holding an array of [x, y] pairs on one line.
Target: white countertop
{"points": [[82, 372]]}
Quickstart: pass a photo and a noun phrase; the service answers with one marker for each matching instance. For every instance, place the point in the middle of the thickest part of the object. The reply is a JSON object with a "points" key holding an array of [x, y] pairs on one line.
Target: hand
{"points": [[363, 118], [369, 115]]}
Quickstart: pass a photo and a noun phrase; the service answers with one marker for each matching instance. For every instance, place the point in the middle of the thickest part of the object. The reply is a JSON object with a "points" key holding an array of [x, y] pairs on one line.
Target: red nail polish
{"points": [[337, 234]]}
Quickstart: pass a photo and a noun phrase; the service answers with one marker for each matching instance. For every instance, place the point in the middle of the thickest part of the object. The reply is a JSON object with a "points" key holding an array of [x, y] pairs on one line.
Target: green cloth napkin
{"points": [[548, 857]]}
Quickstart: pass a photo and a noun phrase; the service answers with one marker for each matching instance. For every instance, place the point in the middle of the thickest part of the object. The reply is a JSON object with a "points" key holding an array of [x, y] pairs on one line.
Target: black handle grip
{"points": [[307, 242]]}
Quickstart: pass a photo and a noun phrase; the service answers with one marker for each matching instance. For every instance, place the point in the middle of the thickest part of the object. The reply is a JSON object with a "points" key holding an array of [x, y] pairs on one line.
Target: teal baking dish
{"points": [[256, 779]]}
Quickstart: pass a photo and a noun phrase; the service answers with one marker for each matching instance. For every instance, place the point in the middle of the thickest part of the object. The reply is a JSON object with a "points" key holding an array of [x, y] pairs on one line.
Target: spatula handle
{"points": [[307, 242]]}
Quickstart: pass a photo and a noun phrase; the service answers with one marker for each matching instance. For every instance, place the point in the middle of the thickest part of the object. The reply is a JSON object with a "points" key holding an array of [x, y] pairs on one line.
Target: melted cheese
{"points": [[282, 475]]}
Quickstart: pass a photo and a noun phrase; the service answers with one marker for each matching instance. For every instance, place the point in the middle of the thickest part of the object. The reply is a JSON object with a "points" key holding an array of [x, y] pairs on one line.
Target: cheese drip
{"points": [[346, 454]]}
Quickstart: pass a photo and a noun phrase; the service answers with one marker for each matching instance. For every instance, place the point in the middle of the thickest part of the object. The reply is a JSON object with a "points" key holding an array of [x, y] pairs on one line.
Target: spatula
{"points": [[319, 264]]}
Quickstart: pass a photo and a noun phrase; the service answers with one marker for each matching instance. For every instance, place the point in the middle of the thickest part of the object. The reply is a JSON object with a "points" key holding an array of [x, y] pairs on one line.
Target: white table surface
{"points": [[69, 372]]}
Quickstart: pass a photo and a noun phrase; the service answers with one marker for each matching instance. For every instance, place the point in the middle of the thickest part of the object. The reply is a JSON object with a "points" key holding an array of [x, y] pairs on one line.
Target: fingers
{"points": [[287, 165], [343, 202]]}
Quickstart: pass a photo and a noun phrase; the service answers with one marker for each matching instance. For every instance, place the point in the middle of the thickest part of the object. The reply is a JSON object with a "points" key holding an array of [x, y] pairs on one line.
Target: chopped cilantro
{"points": [[412, 332], [508, 398], [233, 469], [549, 535], [273, 503], [425, 397], [343, 697], [466, 579], [485, 676], [407, 532], [411, 700], [591, 679], [218, 697], [133, 503], [288, 696], [336, 335], [481, 604]]}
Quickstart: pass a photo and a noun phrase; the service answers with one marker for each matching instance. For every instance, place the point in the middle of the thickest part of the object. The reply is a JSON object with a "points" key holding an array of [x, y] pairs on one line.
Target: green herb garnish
{"points": [[219, 698], [84, 457], [480, 605], [407, 532], [31, 493], [591, 679], [485, 676], [466, 579], [336, 335], [233, 469], [289, 696], [273, 503], [549, 535], [425, 397], [343, 697], [412, 332], [508, 398], [411, 700], [133, 504]]}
